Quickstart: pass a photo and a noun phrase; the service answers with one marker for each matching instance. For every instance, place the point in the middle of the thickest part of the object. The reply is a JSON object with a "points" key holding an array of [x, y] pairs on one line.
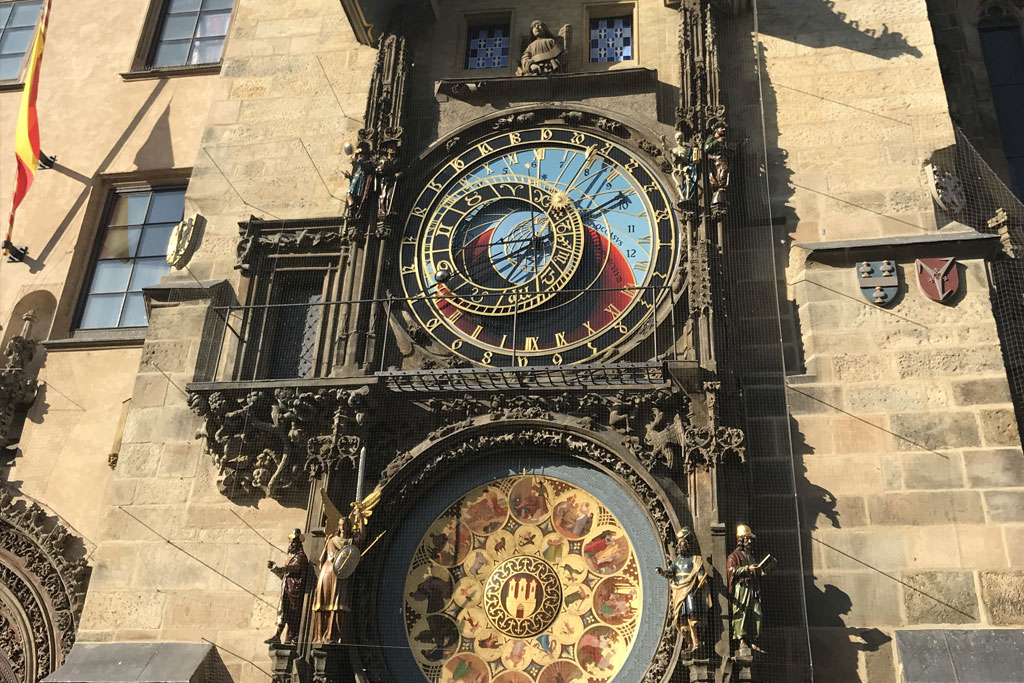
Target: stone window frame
{"points": [[602, 9], [492, 17], [141, 67], [64, 333], [18, 82]]}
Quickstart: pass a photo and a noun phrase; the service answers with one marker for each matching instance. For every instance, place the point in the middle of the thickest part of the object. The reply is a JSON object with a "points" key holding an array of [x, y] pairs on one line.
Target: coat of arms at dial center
{"points": [[522, 597], [525, 579]]}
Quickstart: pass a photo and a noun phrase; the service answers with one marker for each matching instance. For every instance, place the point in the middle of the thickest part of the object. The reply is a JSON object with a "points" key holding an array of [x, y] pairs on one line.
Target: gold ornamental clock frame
{"points": [[541, 238]]}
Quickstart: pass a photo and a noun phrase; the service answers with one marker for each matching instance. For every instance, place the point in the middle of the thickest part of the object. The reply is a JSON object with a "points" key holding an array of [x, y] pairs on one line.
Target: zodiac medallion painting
{"points": [[527, 579]]}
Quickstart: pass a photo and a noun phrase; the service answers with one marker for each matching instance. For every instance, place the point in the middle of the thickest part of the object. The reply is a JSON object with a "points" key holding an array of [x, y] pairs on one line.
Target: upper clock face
{"points": [[538, 247]]}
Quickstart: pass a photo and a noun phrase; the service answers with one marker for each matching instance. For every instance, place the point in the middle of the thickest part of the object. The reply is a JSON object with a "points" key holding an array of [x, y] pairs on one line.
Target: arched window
{"points": [[1002, 43]]}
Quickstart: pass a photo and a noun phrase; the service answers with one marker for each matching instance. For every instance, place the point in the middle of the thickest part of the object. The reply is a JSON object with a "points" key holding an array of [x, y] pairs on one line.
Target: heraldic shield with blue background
{"points": [[879, 281]]}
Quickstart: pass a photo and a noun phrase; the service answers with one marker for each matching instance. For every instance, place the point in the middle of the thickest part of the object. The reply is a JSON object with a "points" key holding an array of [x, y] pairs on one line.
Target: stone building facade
{"points": [[315, 355]]}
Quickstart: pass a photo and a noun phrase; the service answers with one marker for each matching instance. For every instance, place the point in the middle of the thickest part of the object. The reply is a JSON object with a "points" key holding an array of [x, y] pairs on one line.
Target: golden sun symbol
{"points": [[559, 201]]}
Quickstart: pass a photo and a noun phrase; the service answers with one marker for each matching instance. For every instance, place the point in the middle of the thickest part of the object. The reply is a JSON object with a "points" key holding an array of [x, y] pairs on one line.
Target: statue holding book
{"points": [[745, 591]]}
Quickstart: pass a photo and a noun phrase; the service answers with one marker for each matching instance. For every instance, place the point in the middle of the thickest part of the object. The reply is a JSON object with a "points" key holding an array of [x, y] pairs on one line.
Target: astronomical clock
{"points": [[524, 407], [540, 246]]}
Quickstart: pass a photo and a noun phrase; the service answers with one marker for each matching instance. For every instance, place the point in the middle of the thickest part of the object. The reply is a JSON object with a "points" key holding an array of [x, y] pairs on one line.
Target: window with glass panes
{"points": [[487, 47], [132, 255], [17, 26], [192, 32], [611, 39]]}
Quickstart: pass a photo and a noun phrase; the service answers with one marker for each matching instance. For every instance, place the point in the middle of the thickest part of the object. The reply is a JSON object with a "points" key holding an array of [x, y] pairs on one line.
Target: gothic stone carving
{"points": [[17, 388], [42, 567], [265, 442]]}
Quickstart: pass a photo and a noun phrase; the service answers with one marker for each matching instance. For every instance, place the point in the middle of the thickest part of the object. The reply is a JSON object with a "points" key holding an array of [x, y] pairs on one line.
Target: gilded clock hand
{"points": [[617, 202]]}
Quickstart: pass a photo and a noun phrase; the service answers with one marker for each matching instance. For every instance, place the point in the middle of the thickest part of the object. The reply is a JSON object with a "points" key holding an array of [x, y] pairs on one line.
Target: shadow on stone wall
{"points": [[820, 24], [802, 618]]}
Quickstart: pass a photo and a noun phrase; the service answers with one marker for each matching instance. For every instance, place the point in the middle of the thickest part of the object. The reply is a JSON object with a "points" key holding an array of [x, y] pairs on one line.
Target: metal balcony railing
{"points": [[307, 342]]}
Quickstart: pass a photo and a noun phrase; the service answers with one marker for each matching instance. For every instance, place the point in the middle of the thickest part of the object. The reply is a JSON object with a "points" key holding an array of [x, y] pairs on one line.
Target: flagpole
{"points": [[26, 144]]}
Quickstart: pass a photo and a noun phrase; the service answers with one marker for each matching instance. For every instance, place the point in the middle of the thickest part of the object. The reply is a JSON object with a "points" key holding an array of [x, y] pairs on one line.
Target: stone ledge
{"points": [[963, 245], [548, 88]]}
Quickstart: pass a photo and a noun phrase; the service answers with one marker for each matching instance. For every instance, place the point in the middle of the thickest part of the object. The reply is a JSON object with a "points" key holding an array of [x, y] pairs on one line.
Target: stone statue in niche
{"points": [[293, 585], [685, 157], [386, 176], [545, 54], [361, 182], [745, 591], [719, 151], [688, 585]]}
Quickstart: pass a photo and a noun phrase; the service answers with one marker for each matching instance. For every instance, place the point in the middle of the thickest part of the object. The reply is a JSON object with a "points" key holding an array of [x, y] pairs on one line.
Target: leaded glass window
{"points": [[611, 39], [17, 26], [487, 47], [132, 255]]}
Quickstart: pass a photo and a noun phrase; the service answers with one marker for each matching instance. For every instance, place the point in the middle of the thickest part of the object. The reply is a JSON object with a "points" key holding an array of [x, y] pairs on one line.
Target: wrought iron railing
{"points": [[306, 342]]}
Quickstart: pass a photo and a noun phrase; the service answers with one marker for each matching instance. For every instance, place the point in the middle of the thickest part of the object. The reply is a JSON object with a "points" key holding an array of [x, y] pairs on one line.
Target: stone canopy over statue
{"points": [[545, 53]]}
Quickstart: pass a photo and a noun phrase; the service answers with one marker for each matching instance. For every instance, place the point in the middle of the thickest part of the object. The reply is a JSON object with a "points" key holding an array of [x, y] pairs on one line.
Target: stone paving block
{"points": [[929, 470], [935, 431], [980, 391], [923, 508], [1000, 468], [940, 597], [1005, 506], [999, 427], [1003, 595]]}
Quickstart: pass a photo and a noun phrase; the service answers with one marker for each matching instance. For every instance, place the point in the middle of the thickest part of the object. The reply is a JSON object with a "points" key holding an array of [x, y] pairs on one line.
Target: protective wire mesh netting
{"points": [[978, 198], [286, 330]]}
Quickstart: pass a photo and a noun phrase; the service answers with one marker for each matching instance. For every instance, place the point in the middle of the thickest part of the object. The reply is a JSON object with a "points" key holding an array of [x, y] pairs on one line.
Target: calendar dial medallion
{"points": [[544, 246]]}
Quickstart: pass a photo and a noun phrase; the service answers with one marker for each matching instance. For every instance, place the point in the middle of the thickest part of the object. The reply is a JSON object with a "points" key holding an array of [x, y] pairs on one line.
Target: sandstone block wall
{"points": [[98, 125], [291, 93], [907, 457]]}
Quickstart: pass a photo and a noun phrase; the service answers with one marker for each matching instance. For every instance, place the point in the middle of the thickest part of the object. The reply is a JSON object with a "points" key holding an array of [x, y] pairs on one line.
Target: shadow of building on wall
{"points": [[764, 335]]}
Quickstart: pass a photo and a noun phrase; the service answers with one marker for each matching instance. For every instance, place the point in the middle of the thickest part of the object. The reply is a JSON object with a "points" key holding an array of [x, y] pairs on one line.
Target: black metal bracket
{"points": [[15, 254]]}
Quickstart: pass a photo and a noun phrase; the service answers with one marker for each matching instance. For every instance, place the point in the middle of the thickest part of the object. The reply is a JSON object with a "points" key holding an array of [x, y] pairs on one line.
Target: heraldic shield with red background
{"points": [[938, 277]]}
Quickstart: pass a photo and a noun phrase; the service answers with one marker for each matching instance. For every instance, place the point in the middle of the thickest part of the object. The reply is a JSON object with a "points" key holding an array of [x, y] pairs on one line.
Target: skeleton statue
{"points": [[685, 158], [386, 176]]}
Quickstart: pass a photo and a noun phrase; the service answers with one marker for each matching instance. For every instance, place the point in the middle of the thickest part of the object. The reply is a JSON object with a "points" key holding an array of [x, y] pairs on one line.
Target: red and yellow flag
{"points": [[26, 146]]}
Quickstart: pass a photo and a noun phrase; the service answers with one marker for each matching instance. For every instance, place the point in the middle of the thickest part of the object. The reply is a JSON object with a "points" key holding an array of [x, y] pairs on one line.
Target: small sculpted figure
{"points": [[362, 182], [744, 589], [332, 599], [688, 585], [293, 583], [543, 54]]}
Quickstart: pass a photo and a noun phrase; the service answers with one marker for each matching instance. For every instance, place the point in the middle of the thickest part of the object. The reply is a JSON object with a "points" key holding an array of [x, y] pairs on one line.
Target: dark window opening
{"points": [[1003, 46]]}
